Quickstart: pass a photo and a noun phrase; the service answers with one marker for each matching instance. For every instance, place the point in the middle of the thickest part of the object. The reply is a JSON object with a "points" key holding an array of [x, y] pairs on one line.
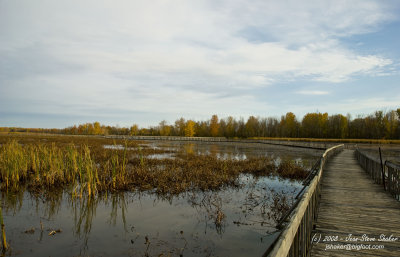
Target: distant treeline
{"points": [[379, 125]]}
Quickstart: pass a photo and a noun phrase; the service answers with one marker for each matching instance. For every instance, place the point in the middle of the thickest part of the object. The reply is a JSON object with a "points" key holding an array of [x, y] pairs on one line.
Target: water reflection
{"points": [[188, 148], [240, 151], [12, 201], [229, 222], [227, 151], [232, 221]]}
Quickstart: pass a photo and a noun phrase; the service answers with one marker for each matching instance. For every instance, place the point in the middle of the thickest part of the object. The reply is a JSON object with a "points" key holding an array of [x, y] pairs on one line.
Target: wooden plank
{"points": [[351, 203], [286, 240]]}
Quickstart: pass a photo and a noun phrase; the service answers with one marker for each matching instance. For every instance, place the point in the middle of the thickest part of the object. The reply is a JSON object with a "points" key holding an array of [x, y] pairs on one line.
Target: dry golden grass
{"points": [[84, 167]]}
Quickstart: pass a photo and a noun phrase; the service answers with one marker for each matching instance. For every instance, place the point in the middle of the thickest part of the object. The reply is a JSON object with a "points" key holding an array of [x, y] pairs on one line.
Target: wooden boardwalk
{"points": [[352, 204]]}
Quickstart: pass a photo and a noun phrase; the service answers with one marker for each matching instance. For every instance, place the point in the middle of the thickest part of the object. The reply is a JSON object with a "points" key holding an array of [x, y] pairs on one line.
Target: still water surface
{"points": [[230, 222]]}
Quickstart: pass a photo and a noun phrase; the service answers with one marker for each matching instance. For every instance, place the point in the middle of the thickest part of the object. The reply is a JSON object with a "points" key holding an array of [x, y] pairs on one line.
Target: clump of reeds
{"points": [[88, 176], [87, 170], [13, 164], [279, 205], [3, 232], [290, 169], [47, 164]]}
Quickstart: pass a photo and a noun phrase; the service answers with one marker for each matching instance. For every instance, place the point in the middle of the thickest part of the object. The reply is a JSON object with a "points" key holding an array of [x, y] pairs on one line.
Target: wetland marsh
{"points": [[91, 196]]}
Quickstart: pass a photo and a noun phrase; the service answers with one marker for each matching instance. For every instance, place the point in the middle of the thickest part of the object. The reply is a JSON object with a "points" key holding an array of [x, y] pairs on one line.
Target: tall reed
{"points": [[3, 232], [89, 178], [89, 170], [117, 167], [13, 164]]}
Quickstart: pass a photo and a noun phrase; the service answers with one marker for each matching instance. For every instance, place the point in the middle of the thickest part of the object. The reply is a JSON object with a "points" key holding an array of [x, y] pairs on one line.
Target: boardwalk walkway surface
{"points": [[352, 204]]}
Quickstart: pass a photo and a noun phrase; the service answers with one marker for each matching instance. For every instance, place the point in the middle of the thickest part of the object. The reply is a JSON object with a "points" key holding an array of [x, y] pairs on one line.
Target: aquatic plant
{"points": [[89, 169], [13, 164], [279, 205], [88, 172], [3, 232]]}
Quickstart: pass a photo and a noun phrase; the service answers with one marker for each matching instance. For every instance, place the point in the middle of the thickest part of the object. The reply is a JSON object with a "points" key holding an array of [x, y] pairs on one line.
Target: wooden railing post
{"points": [[391, 183], [295, 239], [383, 170]]}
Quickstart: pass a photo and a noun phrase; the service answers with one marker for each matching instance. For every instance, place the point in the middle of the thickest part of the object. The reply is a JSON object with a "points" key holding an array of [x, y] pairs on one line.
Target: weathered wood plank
{"points": [[292, 240], [351, 203]]}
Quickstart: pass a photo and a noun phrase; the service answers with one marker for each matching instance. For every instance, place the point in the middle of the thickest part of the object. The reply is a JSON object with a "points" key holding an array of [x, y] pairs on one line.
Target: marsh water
{"points": [[388, 152], [236, 150], [234, 221]]}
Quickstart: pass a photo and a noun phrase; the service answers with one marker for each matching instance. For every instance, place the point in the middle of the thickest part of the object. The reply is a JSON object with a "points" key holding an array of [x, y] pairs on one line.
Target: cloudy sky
{"points": [[138, 61]]}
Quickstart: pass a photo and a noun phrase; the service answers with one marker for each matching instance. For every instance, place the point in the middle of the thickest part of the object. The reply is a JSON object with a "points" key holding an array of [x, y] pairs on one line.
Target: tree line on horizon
{"points": [[379, 125]]}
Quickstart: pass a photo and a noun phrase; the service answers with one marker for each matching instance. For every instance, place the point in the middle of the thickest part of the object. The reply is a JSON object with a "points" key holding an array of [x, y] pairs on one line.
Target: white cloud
{"points": [[313, 92], [165, 36], [173, 55], [353, 106]]}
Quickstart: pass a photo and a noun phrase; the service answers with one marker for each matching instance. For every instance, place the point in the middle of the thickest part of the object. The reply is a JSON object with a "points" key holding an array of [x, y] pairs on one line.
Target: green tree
{"points": [[289, 125], [202, 129], [164, 128], [337, 126], [391, 124], [251, 127], [180, 127], [273, 127], [310, 125], [378, 125], [230, 127], [315, 125]]}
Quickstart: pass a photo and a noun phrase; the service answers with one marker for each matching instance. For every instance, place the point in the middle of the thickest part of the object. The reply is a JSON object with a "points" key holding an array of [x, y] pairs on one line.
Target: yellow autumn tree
{"points": [[134, 130], [97, 128], [165, 129], [214, 126], [189, 128], [289, 125]]}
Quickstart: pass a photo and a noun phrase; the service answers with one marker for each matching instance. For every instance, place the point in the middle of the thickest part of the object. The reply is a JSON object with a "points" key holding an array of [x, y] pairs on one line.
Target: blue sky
{"points": [[124, 62]]}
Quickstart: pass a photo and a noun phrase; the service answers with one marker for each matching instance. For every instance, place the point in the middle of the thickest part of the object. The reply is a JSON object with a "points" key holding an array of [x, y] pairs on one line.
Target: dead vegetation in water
{"points": [[214, 207], [279, 206], [85, 169]]}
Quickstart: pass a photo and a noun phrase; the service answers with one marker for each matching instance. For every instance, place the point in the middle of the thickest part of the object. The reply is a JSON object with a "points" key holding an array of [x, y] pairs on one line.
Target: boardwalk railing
{"points": [[302, 144], [295, 238], [389, 176], [172, 138]]}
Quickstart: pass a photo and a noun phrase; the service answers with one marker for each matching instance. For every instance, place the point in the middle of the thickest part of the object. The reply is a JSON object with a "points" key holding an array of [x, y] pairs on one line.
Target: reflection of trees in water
{"points": [[214, 149], [189, 148]]}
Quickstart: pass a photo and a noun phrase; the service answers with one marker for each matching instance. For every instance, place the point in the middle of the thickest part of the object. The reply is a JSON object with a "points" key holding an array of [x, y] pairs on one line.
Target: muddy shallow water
{"points": [[230, 222]]}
